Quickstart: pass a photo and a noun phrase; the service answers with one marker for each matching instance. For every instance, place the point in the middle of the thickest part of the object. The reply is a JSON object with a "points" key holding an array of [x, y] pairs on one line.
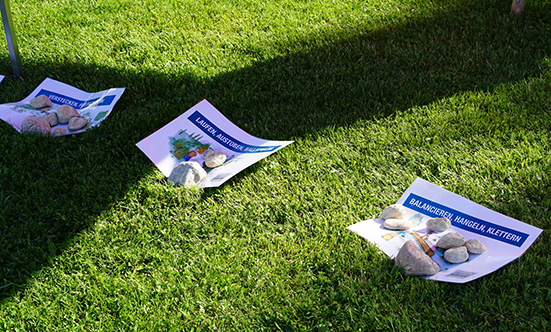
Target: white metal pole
{"points": [[10, 38]]}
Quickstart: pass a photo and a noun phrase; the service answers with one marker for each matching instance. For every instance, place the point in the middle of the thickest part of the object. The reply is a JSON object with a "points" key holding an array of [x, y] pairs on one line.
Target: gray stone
{"points": [[187, 173], [414, 261], [76, 123], [40, 102], [438, 224], [52, 119], [474, 246], [214, 158], [65, 113], [400, 224], [59, 131], [451, 240], [394, 211], [456, 255], [34, 124]]}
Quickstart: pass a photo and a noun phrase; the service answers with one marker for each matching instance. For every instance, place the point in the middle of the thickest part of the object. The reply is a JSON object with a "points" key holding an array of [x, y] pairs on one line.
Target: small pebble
{"points": [[414, 261], [438, 224], [59, 131], [397, 224], [394, 211], [76, 123], [451, 240], [474, 246], [34, 124], [40, 102], [214, 158], [187, 173], [456, 255], [52, 119]]}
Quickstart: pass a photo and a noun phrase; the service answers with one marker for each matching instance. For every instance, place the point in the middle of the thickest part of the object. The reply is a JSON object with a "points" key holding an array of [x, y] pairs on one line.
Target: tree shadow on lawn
{"points": [[53, 189]]}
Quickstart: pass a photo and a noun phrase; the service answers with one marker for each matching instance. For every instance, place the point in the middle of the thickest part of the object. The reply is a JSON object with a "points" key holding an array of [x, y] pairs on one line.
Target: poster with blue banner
{"points": [[505, 238], [90, 108], [199, 130]]}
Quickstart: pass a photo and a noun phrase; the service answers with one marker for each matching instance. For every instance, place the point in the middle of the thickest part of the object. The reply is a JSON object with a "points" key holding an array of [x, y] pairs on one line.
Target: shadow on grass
{"points": [[53, 189]]}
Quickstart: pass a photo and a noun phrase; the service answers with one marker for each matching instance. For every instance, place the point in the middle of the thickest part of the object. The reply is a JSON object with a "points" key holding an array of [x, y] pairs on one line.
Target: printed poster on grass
{"points": [[505, 238], [94, 107], [198, 130]]}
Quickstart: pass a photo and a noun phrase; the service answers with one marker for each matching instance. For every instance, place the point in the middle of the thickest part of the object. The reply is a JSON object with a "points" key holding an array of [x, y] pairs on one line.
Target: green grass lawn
{"points": [[374, 94]]}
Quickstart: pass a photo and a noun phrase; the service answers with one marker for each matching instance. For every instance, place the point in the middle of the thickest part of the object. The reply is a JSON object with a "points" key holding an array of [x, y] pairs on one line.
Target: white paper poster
{"points": [[505, 238], [94, 107], [198, 130], [1, 78]]}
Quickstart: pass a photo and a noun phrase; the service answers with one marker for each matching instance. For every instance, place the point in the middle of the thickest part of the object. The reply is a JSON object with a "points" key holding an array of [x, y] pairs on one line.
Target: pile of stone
{"points": [[412, 260], [190, 173], [394, 217], [65, 114], [457, 249]]}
